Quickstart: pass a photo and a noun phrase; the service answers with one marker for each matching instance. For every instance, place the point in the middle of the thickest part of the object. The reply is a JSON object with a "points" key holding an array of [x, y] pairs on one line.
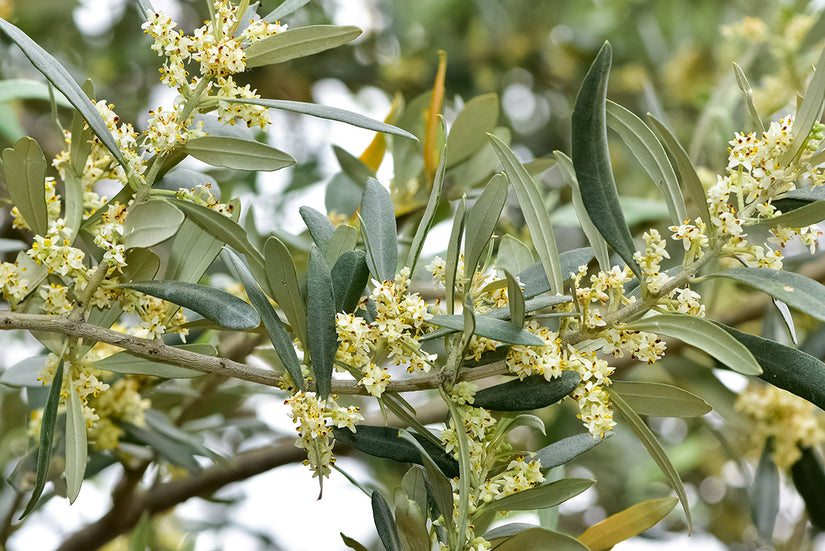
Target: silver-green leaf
{"points": [[379, 231], [703, 335], [322, 338], [649, 151], [76, 445], [330, 113], [214, 304], [654, 448], [795, 290], [25, 170], [300, 42], [660, 400], [150, 223], [272, 323], [532, 206], [592, 160], [481, 222], [237, 153]]}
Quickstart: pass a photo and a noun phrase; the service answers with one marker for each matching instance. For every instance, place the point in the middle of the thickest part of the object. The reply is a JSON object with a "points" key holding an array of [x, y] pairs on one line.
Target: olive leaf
{"points": [[592, 160], [214, 304]]}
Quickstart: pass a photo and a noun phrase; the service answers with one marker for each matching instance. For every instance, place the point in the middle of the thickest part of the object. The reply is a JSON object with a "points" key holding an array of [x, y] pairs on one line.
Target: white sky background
{"points": [[283, 502]]}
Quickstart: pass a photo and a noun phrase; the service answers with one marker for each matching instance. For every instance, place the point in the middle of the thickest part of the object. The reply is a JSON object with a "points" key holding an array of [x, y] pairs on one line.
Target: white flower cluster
{"points": [[791, 422], [218, 48], [394, 333], [315, 419], [495, 471], [756, 176], [202, 195]]}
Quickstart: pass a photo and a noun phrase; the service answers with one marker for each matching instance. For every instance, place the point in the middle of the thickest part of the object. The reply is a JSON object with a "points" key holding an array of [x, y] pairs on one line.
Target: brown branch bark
{"points": [[127, 509], [124, 514]]}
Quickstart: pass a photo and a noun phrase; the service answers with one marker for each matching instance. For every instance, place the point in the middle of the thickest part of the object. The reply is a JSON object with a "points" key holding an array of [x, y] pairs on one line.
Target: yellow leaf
{"points": [[431, 134], [374, 153], [628, 523]]}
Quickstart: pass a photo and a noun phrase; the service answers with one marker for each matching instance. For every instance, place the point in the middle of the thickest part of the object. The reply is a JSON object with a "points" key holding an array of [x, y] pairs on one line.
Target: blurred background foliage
{"points": [[672, 59]]}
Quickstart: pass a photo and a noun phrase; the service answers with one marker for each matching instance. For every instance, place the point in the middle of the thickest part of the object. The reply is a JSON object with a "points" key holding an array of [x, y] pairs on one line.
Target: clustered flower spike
{"points": [[219, 48], [496, 471], [756, 176], [791, 422], [394, 333]]}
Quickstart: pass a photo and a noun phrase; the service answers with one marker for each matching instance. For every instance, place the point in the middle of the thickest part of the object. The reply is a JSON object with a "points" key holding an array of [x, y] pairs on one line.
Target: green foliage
{"points": [[104, 276], [214, 304], [592, 161]]}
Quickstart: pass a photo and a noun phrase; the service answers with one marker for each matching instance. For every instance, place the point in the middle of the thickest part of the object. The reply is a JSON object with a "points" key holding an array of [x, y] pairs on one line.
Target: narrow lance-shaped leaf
{"points": [[348, 541], [660, 400], [565, 450], [352, 166], [704, 335], [25, 170], [747, 91], [542, 497], [654, 448], [441, 489], [453, 253], [481, 222], [343, 240], [465, 469], [592, 160], [47, 427], [214, 304], [387, 443], [287, 7], [349, 279], [432, 116], [765, 497], [322, 339], [22, 88], [595, 239], [808, 113], [193, 250], [541, 539], [429, 212], [809, 479], [683, 166], [469, 132], [531, 393], [515, 298], [787, 368], [646, 147], [532, 206], [384, 522], [226, 230], [411, 522], [283, 284], [379, 231], [81, 143], [514, 255], [62, 80], [76, 446], [495, 329], [795, 290], [237, 153], [319, 226], [812, 213], [626, 524], [272, 323], [331, 113], [300, 42]]}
